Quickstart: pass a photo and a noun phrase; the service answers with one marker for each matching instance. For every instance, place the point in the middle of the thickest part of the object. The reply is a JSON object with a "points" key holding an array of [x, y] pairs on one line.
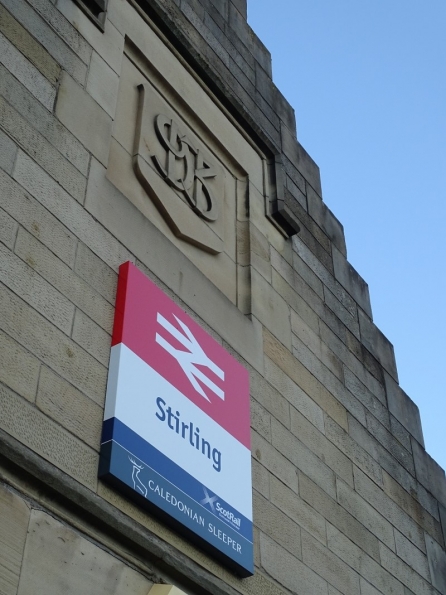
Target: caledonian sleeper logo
{"points": [[176, 433]]}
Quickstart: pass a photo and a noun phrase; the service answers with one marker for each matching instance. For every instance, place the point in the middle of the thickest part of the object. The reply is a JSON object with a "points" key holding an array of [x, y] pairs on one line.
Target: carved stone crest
{"points": [[179, 177]]}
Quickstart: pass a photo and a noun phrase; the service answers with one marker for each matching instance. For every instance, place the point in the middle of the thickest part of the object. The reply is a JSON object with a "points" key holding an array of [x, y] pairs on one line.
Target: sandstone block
{"points": [[351, 281], [260, 478], [404, 573], [96, 273], [377, 344], [288, 570], [346, 316], [45, 437], [370, 518], [326, 278], [304, 379], [338, 516], [58, 559], [271, 399], [70, 408], [36, 219], [297, 509], [403, 408], [270, 309], [102, 84], [420, 505], [14, 519], [52, 347], [74, 62], [319, 211], [91, 337], [26, 73], [329, 566], [352, 450], [295, 301], [8, 151], [64, 280], [42, 121], [386, 460], [323, 448], [294, 395], [322, 359], [429, 473], [357, 559], [24, 281], [412, 556], [8, 229], [274, 461], [83, 117], [69, 212], [437, 564], [303, 458], [389, 509], [48, 157], [271, 521], [18, 368], [260, 420], [28, 46]]}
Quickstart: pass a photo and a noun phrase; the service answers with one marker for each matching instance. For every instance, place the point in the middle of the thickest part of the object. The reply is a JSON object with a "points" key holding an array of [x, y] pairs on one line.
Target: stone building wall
{"points": [[346, 500]]}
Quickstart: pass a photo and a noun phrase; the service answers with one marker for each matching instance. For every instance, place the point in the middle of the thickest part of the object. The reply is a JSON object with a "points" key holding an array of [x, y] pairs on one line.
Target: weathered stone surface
{"points": [[369, 569], [303, 378], [60, 276], [319, 211], [84, 118], [24, 281], [274, 461], [297, 509], [44, 122], [303, 458], [28, 46], [74, 62], [389, 509], [26, 73], [429, 472], [48, 157], [14, 518], [52, 346], [288, 570], [411, 555], [45, 437], [437, 564], [329, 566], [377, 344], [57, 560], [8, 151], [19, 369], [369, 518], [8, 229], [338, 516], [351, 281], [67, 406], [403, 408], [274, 523], [423, 511], [403, 572]]}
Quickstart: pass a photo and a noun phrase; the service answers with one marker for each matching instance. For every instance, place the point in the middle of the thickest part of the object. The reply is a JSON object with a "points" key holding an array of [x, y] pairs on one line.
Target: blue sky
{"points": [[368, 83]]}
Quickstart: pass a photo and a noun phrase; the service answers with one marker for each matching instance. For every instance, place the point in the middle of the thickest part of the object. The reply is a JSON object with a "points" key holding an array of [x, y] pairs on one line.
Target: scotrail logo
{"points": [[219, 510], [190, 359]]}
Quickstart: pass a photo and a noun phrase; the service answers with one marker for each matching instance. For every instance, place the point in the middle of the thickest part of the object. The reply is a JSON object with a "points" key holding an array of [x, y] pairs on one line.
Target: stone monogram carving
{"points": [[176, 172], [185, 168]]}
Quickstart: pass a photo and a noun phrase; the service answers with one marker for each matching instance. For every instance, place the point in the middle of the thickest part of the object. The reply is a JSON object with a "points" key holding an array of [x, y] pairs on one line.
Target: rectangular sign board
{"points": [[176, 431]]}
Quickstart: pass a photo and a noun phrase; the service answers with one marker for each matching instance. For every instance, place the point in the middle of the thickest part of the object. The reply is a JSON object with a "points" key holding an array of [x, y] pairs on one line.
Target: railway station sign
{"points": [[176, 431]]}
